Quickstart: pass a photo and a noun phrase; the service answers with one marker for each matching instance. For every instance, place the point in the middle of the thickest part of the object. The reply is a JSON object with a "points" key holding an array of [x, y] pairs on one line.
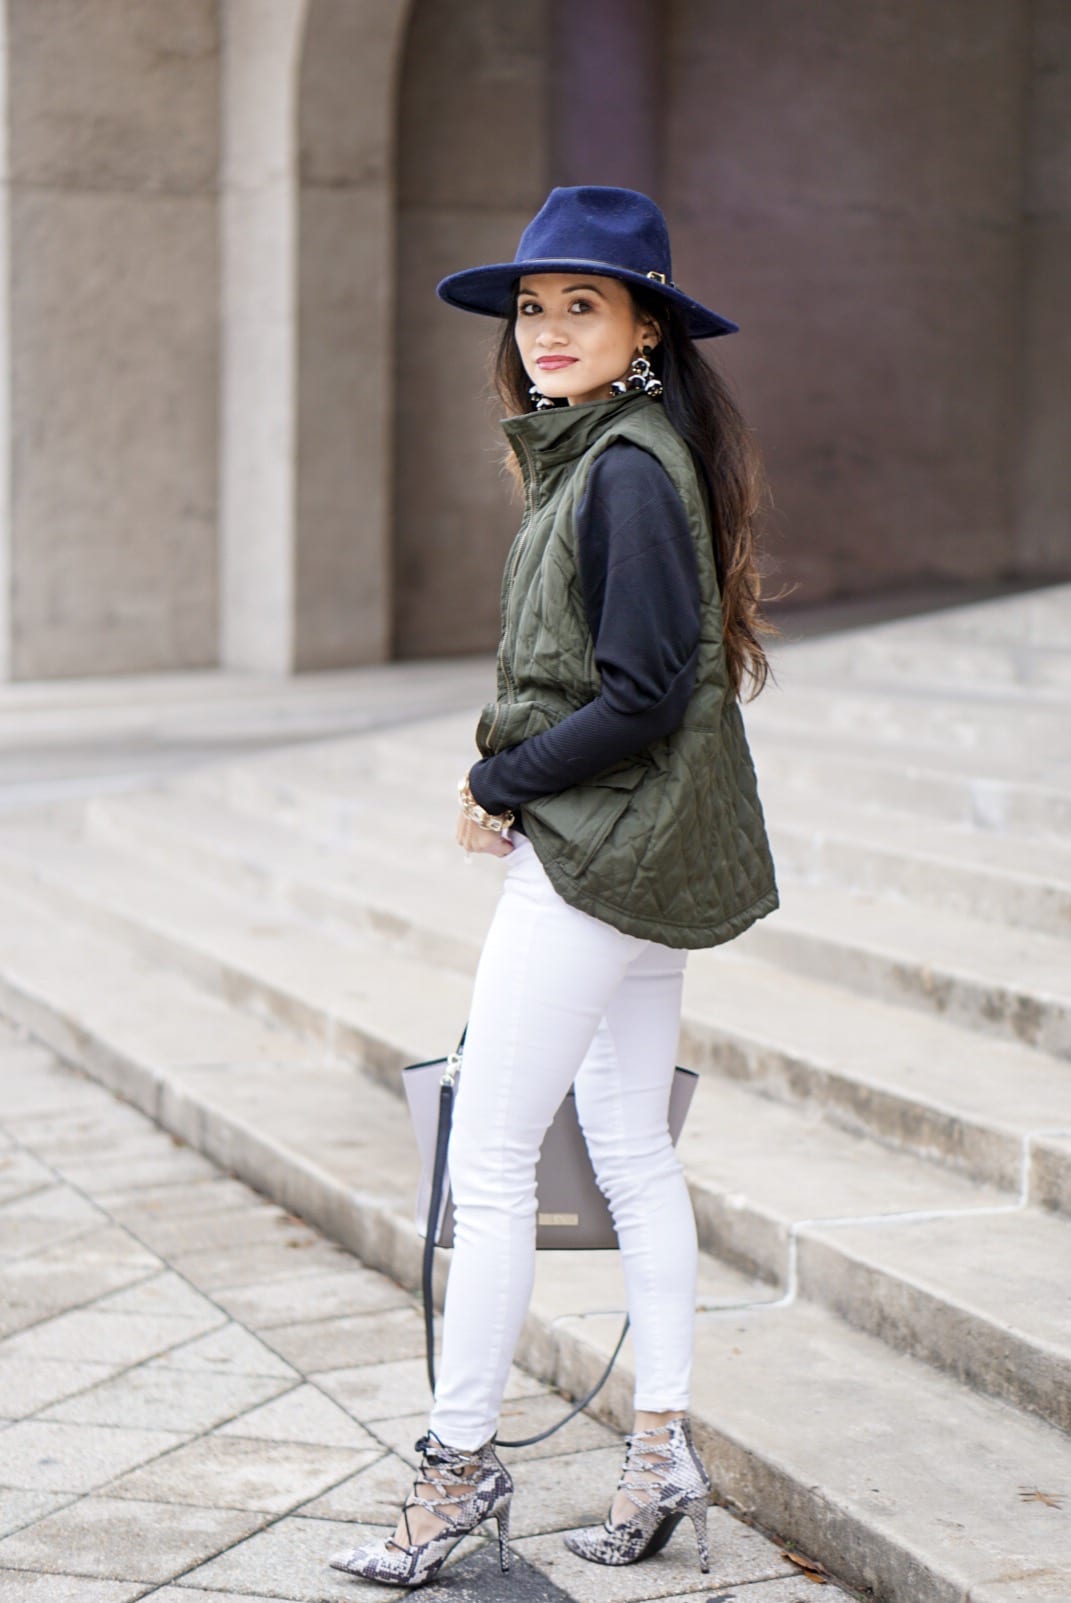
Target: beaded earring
{"points": [[640, 376], [541, 402]]}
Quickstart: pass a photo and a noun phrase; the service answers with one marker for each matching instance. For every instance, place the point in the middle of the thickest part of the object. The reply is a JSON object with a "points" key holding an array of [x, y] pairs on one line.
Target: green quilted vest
{"points": [[671, 844]]}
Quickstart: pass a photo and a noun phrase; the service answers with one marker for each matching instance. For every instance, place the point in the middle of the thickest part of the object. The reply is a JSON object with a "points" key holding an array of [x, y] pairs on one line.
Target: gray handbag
{"points": [[572, 1211]]}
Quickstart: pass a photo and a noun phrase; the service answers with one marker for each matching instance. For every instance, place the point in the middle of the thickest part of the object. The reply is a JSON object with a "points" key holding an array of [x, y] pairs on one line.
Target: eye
{"points": [[581, 302], [527, 306]]}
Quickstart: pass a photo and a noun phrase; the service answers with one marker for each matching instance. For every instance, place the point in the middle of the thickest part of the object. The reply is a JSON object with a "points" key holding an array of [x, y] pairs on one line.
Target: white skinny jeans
{"points": [[562, 996]]}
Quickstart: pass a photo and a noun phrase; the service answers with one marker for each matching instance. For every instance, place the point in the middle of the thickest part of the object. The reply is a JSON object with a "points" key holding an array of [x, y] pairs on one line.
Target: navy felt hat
{"points": [[592, 228]]}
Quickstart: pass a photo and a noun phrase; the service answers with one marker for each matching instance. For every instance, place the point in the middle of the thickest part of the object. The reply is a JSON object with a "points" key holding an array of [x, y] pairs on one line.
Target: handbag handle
{"points": [[438, 1177]]}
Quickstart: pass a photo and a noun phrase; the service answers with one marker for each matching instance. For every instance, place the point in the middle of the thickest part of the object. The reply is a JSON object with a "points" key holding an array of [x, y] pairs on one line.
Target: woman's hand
{"points": [[472, 838]]}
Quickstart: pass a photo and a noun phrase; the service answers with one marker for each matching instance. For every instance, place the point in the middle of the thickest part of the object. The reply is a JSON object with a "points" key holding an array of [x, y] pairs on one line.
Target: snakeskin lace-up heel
{"points": [[665, 1479], [474, 1497]]}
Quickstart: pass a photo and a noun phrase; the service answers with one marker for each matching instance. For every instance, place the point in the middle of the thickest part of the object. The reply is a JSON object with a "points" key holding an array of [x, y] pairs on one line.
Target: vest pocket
{"points": [[584, 815]]}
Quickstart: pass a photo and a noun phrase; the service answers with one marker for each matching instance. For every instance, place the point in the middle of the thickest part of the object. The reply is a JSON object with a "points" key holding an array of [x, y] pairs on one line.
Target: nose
{"points": [[551, 334]]}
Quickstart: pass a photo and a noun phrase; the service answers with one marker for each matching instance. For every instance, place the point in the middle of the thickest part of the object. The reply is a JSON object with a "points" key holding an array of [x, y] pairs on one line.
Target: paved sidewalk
{"points": [[201, 1398]]}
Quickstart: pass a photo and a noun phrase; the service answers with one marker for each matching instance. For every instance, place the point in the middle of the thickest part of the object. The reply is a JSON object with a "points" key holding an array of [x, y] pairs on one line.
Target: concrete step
{"points": [[1016, 986], [1015, 878], [892, 653], [1028, 728], [988, 796], [917, 1286], [222, 706], [810, 1049], [386, 788], [757, 1169], [1004, 879], [1014, 983], [1015, 642], [801, 1417], [356, 994], [914, 1081], [760, 1169], [346, 996], [352, 884]]}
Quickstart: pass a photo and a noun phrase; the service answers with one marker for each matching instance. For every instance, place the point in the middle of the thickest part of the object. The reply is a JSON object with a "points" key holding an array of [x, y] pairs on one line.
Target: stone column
{"points": [[258, 382], [111, 295], [346, 296], [6, 609]]}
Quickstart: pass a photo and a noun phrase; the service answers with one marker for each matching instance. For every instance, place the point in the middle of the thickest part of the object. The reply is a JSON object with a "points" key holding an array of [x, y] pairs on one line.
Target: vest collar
{"points": [[547, 439]]}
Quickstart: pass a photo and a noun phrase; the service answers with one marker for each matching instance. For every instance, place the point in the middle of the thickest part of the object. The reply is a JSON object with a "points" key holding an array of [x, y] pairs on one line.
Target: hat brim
{"points": [[489, 290]]}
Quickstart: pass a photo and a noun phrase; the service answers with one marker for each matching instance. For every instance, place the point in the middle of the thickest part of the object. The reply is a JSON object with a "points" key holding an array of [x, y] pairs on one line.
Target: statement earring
{"points": [[541, 402], [640, 376]]}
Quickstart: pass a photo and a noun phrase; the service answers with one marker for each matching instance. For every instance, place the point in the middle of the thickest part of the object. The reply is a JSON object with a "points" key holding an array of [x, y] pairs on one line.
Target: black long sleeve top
{"points": [[640, 584]]}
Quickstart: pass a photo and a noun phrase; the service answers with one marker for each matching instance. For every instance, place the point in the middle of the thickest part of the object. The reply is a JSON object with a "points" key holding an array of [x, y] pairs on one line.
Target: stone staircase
{"points": [[880, 1149]]}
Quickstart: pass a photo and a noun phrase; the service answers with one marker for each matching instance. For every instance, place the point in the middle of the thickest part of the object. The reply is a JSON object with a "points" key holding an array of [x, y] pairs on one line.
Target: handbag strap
{"points": [[438, 1178]]}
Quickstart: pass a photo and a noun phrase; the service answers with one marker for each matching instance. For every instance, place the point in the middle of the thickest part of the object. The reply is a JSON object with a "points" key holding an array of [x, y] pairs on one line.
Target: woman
{"points": [[615, 777]]}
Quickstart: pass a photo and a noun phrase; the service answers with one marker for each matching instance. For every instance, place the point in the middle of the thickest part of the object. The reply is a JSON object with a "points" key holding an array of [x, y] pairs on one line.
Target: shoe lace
{"points": [[647, 1464], [442, 1468]]}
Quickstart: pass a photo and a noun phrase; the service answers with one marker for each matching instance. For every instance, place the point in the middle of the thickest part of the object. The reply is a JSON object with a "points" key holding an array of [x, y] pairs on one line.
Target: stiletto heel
{"points": [[697, 1513], [503, 1536], [483, 1494], [666, 1482]]}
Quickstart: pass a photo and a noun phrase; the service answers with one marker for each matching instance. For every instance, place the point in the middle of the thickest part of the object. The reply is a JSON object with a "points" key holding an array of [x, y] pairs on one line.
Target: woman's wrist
{"points": [[497, 822]]}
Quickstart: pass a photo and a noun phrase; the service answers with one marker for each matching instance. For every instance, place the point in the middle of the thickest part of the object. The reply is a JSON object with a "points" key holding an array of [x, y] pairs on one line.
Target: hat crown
{"points": [[599, 223]]}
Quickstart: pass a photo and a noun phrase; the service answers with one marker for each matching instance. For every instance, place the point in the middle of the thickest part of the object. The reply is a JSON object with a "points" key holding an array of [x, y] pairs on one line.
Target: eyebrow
{"points": [[566, 289]]}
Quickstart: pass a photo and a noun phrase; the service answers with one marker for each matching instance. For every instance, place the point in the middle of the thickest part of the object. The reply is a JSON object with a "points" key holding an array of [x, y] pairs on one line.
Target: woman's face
{"points": [[578, 331]]}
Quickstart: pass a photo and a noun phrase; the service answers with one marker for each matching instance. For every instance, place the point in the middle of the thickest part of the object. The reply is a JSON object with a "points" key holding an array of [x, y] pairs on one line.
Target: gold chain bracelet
{"points": [[497, 822]]}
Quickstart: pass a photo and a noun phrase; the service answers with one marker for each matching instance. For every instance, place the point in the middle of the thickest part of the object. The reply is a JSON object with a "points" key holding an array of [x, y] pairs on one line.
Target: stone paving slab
{"points": [[105, 1337], [19, 1508], [23, 1586], [301, 1415], [230, 1350], [223, 1472], [371, 1392], [265, 1303], [75, 1458], [160, 1398], [30, 1384], [165, 1293], [319, 1344], [172, 1201], [213, 1427], [115, 1539]]}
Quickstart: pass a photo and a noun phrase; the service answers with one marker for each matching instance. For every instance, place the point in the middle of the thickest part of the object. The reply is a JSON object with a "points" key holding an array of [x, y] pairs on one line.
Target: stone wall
{"points": [[242, 428], [847, 183], [1043, 481]]}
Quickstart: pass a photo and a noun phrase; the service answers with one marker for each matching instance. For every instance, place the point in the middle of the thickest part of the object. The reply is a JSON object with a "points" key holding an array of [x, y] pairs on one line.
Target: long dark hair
{"points": [[727, 460]]}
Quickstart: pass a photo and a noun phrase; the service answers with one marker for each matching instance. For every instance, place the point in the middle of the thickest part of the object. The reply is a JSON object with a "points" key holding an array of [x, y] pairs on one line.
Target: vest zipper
{"points": [[518, 543]]}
